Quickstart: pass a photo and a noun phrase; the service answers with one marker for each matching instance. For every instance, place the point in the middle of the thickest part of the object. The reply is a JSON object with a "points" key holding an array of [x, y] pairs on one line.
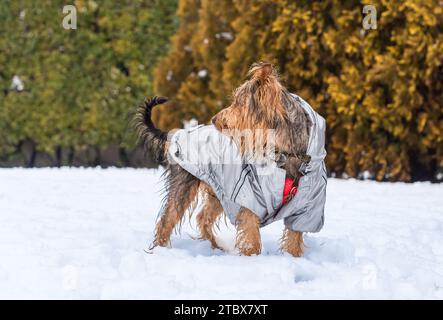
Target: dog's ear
{"points": [[267, 90]]}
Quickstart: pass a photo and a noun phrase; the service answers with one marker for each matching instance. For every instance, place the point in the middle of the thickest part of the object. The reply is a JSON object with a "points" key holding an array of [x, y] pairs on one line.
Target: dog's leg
{"points": [[292, 242], [248, 240], [207, 218], [182, 195], [169, 219]]}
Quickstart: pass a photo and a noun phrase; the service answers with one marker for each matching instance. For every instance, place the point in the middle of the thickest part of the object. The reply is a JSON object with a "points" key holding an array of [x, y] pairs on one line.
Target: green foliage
{"points": [[191, 72], [79, 85], [381, 90]]}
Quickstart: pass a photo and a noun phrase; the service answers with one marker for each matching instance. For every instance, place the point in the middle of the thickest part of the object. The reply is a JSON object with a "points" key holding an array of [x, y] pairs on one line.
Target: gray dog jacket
{"points": [[214, 158]]}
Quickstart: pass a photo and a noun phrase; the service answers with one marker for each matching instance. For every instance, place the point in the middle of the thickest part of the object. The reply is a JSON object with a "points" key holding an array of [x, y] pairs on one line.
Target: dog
{"points": [[260, 103]]}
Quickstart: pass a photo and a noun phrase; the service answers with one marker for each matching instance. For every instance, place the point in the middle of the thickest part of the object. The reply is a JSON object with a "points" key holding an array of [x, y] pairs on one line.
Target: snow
{"points": [[202, 73], [225, 35], [81, 234], [17, 83], [169, 75]]}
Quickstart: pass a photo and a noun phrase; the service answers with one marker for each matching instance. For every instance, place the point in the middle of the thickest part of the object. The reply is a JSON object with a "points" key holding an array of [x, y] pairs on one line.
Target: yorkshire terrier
{"points": [[261, 102]]}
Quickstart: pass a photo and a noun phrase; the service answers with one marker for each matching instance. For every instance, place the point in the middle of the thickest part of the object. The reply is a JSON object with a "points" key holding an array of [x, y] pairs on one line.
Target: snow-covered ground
{"points": [[81, 233]]}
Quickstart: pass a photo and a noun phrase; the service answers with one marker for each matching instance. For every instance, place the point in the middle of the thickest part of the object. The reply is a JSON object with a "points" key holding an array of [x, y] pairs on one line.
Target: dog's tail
{"points": [[153, 139]]}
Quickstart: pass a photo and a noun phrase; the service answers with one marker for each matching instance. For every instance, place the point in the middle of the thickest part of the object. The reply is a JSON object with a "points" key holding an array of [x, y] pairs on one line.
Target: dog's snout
{"points": [[214, 119]]}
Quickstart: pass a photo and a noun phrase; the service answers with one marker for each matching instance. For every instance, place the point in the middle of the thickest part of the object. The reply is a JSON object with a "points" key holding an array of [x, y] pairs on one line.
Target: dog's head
{"points": [[257, 103], [262, 102]]}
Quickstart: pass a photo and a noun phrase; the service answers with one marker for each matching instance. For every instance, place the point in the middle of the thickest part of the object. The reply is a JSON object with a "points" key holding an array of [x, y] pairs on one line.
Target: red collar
{"points": [[289, 190]]}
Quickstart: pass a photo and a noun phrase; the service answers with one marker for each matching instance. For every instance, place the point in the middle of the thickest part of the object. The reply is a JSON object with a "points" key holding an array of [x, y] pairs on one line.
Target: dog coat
{"points": [[214, 157]]}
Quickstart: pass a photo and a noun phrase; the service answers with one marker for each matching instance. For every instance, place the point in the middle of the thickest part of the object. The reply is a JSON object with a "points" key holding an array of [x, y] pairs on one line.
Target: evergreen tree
{"points": [[192, 72], [176, 66], [380, 90], [79, 85], [252, 27], [387, 95]]}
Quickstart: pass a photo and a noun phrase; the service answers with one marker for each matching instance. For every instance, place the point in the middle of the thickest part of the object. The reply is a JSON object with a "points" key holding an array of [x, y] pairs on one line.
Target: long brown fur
{"points": [[248, 240], [181, 195], [260, 103], [292, 242], [207, 217]]}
